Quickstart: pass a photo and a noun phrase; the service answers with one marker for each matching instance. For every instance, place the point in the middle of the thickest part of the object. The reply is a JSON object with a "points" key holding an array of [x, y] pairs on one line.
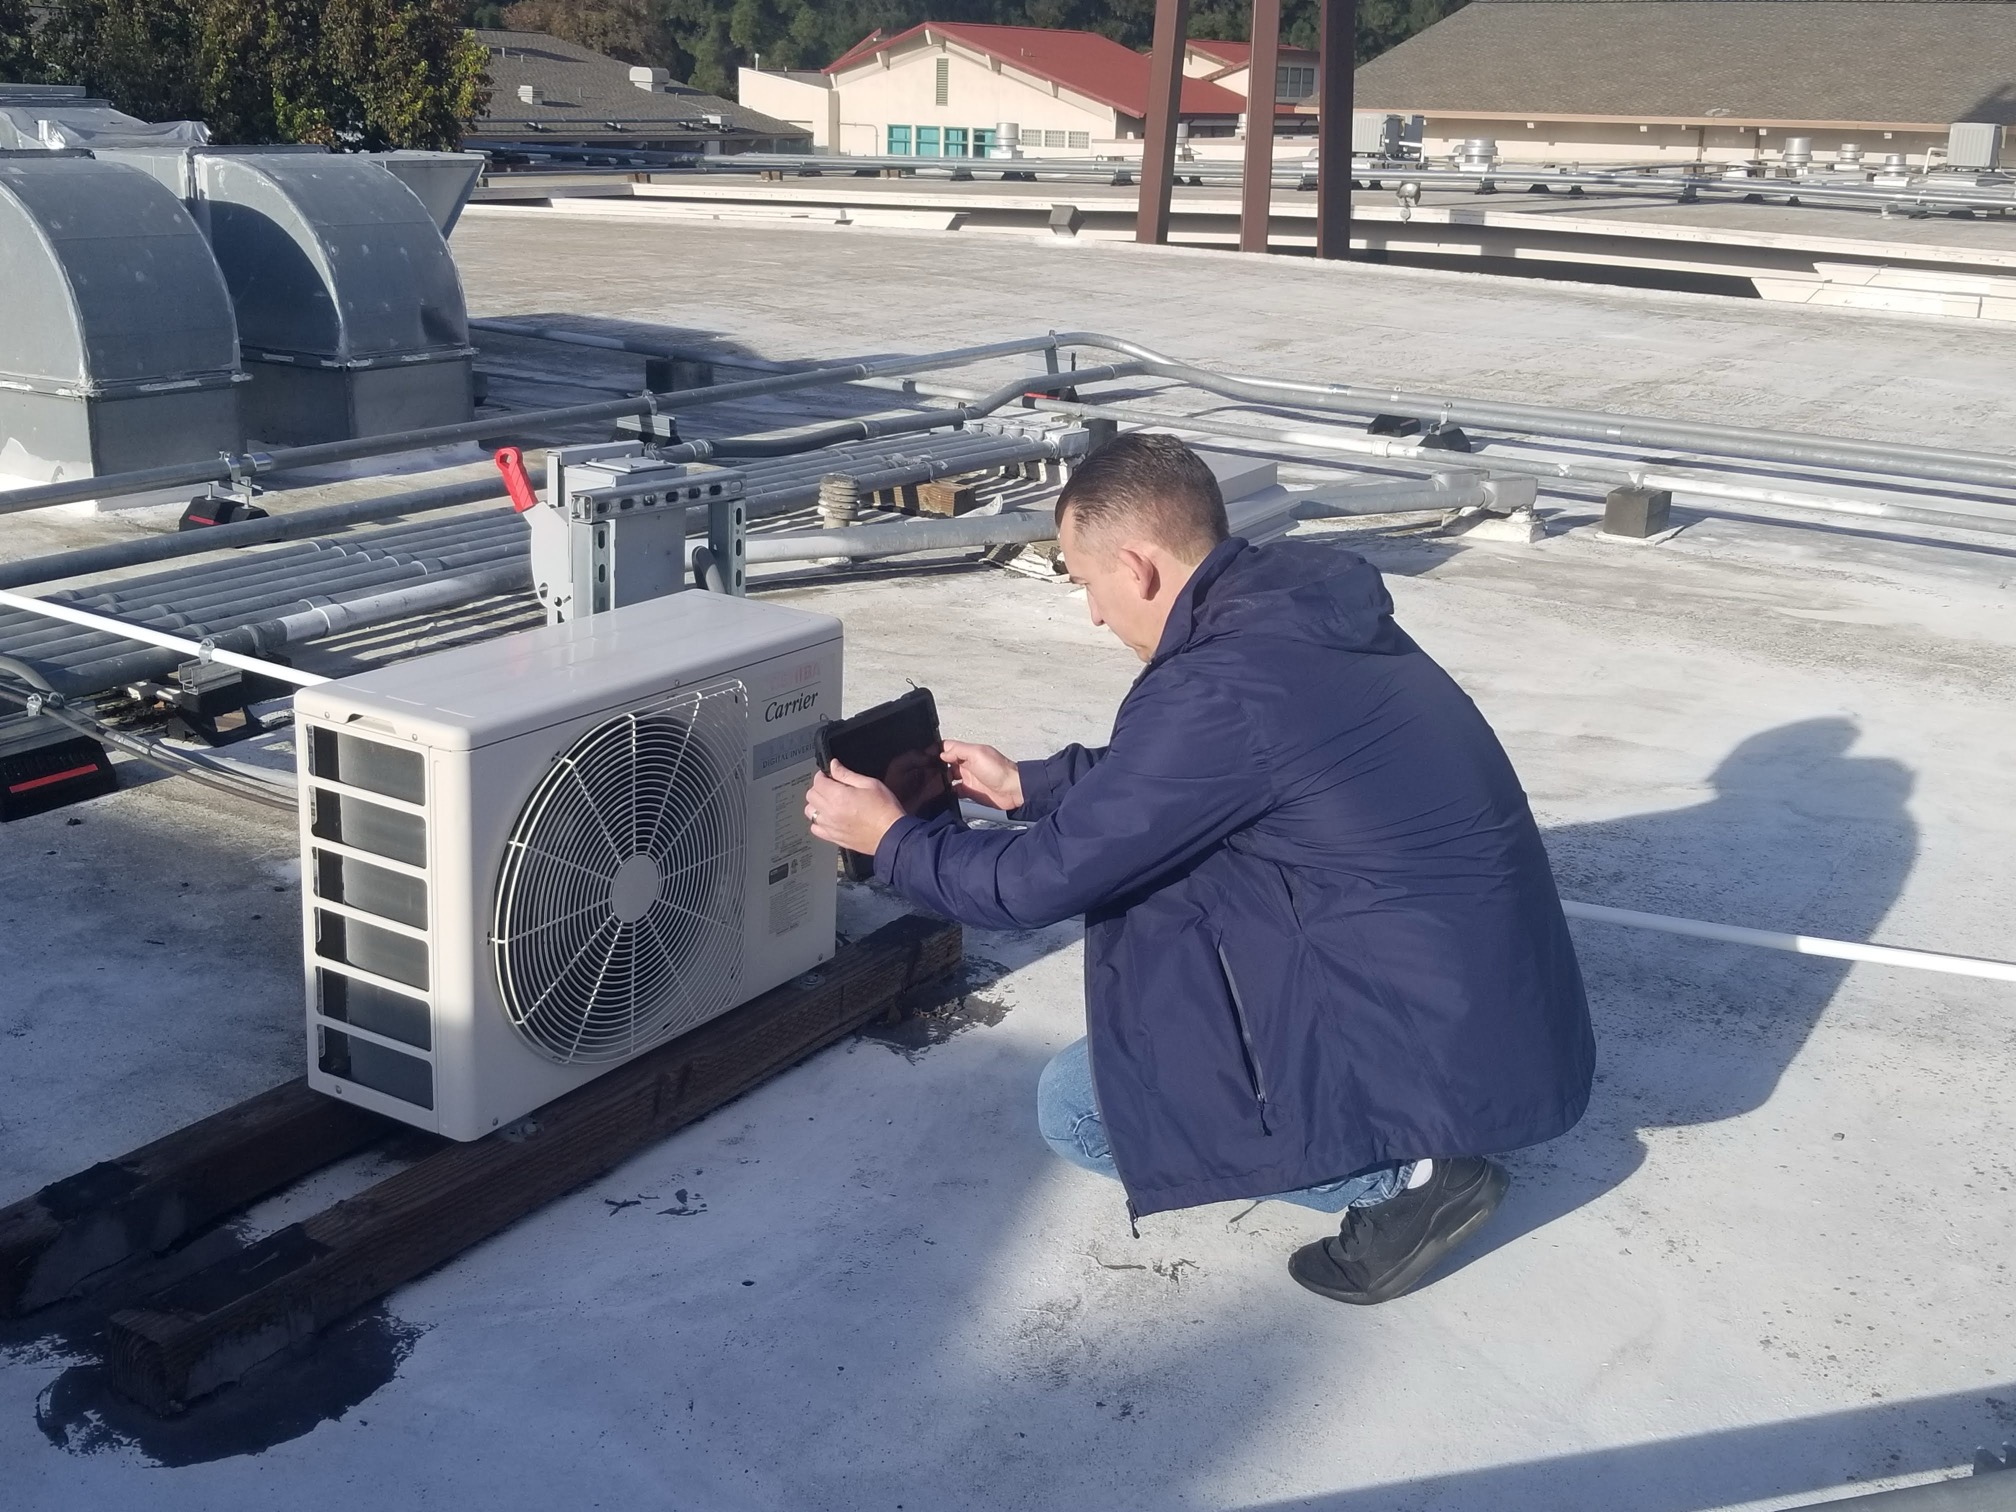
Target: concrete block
{"points": [[1636, 512], [1065, 220]]}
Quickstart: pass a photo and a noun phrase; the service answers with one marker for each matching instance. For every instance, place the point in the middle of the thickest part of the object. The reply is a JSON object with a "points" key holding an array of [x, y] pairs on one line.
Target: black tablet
{"points": [[897, 744]]}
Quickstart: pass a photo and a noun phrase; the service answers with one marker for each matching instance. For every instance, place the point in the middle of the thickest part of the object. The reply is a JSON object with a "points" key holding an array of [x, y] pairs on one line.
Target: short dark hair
{"points": [[1154, 482]]}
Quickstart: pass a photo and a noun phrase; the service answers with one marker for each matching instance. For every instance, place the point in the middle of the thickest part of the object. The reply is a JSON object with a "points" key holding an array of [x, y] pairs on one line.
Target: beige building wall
{"points": [[803, 100], [980, 93]]}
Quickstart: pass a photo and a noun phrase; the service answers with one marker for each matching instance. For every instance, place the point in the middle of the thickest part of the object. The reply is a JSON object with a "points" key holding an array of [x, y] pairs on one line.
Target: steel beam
{"points": [[1256, 194], [1338, 41], [1165, 98]]}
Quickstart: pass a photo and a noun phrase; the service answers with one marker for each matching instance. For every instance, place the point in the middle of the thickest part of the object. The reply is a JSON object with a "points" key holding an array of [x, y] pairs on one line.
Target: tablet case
{"points": [[897, 744]]}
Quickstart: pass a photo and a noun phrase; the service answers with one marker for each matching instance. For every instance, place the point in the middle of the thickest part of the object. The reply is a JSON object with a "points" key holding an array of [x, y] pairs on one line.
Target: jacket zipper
{"points": [[1133, 1219], [1246, 1038]]}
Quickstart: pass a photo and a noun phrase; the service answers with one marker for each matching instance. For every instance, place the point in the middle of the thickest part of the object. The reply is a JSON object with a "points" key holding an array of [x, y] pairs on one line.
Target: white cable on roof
{"points": [[126, 630], [1771, 939]]}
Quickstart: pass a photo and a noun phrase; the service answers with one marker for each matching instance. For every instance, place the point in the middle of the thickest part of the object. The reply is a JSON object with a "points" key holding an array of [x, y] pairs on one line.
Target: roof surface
{"points": [[586, 90], [1882, 61], [1770, 1259], [1084, 62]]}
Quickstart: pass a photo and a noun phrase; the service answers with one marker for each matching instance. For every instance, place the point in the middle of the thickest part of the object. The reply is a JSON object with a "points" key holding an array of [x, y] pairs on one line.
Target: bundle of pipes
{"points": [[1890, 459], [260, 604]]}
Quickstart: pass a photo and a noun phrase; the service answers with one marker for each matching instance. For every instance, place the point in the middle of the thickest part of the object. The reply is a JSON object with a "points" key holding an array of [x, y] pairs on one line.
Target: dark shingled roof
{"points": [[585, 92], [1881, 62]]}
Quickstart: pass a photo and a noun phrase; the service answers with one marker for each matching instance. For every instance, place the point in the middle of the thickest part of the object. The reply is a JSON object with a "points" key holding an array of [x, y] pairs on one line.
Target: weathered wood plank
{"points": [[54, 1243], [209, 1330]]}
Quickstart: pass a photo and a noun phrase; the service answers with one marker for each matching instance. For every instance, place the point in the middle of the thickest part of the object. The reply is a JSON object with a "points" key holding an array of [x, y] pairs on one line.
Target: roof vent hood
{"points": [[350, 312], [118, 350]]}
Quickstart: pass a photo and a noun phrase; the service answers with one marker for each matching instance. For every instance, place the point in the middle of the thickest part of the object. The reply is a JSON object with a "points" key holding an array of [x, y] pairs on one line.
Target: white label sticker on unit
{"points": [[791, 853]]}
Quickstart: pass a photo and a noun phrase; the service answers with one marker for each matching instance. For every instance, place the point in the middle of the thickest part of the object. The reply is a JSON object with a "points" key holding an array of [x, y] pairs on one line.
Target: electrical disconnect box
{"points": [[612, 529]]}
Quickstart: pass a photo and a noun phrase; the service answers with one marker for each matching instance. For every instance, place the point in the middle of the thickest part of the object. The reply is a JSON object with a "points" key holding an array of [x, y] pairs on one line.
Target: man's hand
{"points": [[983, 774], [851, 811]]}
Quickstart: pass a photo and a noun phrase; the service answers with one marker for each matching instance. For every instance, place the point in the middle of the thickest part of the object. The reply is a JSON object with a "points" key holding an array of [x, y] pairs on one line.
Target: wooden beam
{"points": [[1334, 84], [1256, 192], [53, 1244], [208, 1331], [1165, 99]]}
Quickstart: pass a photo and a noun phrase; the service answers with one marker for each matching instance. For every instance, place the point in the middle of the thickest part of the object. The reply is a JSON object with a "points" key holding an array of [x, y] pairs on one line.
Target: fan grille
{"points": [[618, 919]]}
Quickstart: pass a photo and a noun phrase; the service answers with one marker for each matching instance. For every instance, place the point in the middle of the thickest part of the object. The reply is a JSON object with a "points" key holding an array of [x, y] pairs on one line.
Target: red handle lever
{"points": [[511, 463]]}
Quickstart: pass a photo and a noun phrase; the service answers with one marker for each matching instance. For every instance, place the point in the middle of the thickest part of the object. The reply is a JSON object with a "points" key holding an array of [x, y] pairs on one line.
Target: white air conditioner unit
{"points": [[528, 860]]}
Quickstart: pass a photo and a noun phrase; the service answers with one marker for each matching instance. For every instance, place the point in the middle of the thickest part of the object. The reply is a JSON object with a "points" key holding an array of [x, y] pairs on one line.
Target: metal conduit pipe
{"points": [[196, 473], [1019, 527], [83, 672], [322, 572], [1586, 425], [420, 598], [1594, 475], [272, 633], [230, 602], [279, 527], [224, 610], [310, 521], [293, 581]]}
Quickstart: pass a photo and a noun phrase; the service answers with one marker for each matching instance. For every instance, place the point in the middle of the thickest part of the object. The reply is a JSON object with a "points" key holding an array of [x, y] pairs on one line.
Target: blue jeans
{"points": [[1068, 1118]]}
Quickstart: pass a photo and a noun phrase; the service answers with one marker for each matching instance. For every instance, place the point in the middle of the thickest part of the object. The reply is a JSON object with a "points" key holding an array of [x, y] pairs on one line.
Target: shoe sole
{"points": [[1482, 1203]]}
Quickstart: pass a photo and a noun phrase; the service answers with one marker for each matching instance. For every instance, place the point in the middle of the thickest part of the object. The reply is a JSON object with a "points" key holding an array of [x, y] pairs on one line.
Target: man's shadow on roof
{"points": [[1800, 836]]}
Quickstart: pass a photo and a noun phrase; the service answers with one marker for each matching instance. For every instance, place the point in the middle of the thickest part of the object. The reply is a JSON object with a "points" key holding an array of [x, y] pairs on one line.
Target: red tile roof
{"points": [[1083, 62]]}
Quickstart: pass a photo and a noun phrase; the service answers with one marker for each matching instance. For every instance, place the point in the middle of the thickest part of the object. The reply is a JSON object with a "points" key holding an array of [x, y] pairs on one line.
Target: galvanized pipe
{"points": [[221, 611], [1586, 425], [13, 501], [1019, 527], [277, 527], [1016, 527], [400, 603], [1594, 474]]}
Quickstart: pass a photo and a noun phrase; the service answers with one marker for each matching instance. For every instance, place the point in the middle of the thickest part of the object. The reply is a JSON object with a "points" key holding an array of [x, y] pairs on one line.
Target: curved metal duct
{"points": [[350, 313], [118, 348]]}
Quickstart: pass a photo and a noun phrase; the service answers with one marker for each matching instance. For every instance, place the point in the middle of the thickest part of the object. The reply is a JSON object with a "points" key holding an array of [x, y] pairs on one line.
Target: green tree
{"points": [[632, 31], [136, 53], [353, 74], [19, 60], [409, 73]]}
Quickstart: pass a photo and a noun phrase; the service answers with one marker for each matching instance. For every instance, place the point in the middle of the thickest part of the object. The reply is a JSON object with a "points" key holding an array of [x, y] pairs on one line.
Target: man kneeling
{"points": [[1324, 955]]}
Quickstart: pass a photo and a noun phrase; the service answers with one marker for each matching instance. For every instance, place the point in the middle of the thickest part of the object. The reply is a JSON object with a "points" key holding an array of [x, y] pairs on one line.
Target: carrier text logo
{"points": [[784, 708]]}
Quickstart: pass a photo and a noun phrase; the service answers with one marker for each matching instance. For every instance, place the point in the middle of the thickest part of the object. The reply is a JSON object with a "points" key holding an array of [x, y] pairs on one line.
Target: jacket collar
{"points": [[1182, 622]]}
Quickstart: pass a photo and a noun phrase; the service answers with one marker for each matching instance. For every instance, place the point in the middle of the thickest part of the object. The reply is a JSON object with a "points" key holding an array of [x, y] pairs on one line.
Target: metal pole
{"points": [[1256, 194], [1165, 97], [1338, 42]]}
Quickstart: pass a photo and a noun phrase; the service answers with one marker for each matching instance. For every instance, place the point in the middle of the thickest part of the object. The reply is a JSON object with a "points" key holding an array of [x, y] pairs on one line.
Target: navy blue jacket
{"points": [[1321, 931]]}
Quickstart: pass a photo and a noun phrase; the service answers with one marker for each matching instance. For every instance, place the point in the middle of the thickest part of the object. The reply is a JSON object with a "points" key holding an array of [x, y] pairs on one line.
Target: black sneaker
{"points": [[1384, 1250]]}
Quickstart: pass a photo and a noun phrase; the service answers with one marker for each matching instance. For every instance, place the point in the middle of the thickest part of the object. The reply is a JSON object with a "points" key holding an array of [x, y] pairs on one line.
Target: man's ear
{"points": [[1141, 570]]}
